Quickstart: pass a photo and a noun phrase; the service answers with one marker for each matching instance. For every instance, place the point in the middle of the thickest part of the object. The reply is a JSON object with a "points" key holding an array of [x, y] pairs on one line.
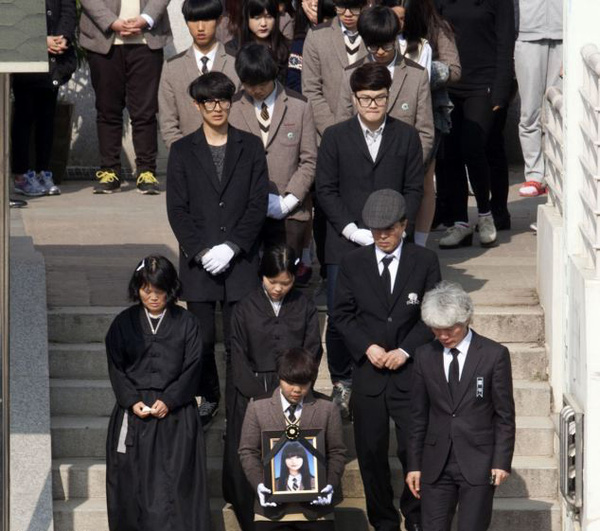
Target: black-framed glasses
{"points": [[366, 101], [385, 47], [211, 105], [353, 10]]}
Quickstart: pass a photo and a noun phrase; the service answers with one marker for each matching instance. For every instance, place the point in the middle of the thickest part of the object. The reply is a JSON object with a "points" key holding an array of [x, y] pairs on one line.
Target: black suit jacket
{"points": [[364, 316], [204, 211], [481, 429], [346, 176]]}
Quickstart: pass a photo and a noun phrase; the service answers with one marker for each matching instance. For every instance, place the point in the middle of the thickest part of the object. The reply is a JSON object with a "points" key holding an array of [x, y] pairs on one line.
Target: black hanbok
{"points": [[258, 336], [155, 468]]}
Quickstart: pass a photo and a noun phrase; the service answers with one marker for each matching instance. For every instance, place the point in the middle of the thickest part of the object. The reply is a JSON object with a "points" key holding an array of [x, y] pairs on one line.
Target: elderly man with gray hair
{"points": [[463, 416]]}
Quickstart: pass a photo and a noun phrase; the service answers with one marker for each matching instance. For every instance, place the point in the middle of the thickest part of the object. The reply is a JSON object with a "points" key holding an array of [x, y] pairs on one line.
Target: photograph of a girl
{"points": [[294, 469]]}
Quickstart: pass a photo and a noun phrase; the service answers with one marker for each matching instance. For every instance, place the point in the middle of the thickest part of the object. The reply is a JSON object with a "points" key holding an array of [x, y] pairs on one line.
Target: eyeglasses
{"points": [[353, 10], [365, 101], [211, 105], [385, 47]]}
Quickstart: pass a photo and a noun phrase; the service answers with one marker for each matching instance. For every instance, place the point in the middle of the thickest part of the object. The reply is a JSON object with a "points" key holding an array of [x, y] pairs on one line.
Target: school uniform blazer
{"points": [[97, 17], [346, 176], [479, 424], [291, 146], [266, 414], [447, 53], [323, 61], [409, 99], [177, 114], [364, 315], [204, 212], [258, 336]]}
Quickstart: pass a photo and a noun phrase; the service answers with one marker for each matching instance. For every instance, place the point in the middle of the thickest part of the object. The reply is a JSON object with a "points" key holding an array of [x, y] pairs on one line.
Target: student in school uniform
{"points": [[283, 120], [217, 187], [410, 96], [177, 114]]}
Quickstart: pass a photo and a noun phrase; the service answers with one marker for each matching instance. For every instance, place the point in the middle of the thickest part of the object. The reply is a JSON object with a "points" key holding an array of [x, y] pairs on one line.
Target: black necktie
{"points": [[385, 275], [204, 62], [351, 36], [453, 374], [295, 485], [292, 413]]}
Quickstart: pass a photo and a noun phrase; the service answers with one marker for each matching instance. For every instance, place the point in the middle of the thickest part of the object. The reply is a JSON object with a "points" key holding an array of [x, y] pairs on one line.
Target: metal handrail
{"points": [[553, 146]]}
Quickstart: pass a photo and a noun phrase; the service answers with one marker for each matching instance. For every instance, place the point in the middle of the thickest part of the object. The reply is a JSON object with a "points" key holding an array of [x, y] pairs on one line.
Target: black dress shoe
{"points": [[17, 203], [413, 527], [502, 221]]}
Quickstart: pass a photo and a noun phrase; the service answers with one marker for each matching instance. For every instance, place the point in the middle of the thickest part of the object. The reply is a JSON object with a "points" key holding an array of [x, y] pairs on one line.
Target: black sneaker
{"points": [[147, 183], [108, 182], [207, 411]]}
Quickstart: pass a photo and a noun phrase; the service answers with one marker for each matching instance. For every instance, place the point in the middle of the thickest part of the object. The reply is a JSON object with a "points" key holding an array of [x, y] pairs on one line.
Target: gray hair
{"points": [[446, 305]]}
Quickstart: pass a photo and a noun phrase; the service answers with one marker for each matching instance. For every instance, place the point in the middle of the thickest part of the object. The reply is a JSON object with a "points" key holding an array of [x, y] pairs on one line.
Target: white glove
{"points": [[362, 237], [217, 259], [288, 203], [325, 498], [262, 492]]}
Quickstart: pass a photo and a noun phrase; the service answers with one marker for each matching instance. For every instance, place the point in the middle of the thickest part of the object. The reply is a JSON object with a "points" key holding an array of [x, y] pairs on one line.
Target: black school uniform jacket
{"points": [[204, 212], [479, 425], [347, 175], [364, 315]]}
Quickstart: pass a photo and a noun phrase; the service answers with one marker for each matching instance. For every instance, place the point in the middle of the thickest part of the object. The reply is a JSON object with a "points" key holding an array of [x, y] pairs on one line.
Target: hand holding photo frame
{"points": [[295, 467]]}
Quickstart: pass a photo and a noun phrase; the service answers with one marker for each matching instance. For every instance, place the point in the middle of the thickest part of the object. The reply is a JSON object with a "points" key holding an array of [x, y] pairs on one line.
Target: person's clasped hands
{"points": [[280, 206], [159, 410], [57, 44], [386, 359], [325, 496], [217, 259], [129, 27]]}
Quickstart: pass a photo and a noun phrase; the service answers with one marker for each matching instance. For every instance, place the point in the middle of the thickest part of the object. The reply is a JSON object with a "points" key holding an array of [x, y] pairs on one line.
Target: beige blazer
{"points": [[324, 59], [97, 17], [177, 114], [409, 101], [266, 414], [447, 53], [291, 146]]}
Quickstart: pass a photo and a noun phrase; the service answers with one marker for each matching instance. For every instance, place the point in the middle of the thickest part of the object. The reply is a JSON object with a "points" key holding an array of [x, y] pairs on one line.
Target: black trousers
{"points": [[324, 525], [339, 359], [289, 231], [439, 501], [372, 434], [127, 77], [319, 234], [34, 106], [205, 312], [472, 120], [496, 154]]}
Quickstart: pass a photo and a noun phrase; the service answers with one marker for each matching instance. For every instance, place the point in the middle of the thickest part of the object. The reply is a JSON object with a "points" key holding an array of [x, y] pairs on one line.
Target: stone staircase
{"points": [[81, 401]]}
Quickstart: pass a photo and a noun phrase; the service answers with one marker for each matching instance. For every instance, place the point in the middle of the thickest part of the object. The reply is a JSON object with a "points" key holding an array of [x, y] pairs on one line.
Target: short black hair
{"points": [[157, 271], [297, 366], [325, 10], [277, 260], [195, 10], [350, 3], [378, 25], [255, 64], [393, 3], [211, 86], [370, 76]]}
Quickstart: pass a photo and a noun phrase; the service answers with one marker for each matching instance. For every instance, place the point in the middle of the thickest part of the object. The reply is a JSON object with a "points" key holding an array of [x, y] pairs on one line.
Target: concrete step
{"points": [[507, 324], [510, 514], [81, 397], [531, 477], [78, 436]]}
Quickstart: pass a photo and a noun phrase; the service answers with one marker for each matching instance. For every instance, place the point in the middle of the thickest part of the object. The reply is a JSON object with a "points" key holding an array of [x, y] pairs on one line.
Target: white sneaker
{"points": [[46, 180], [457, 236], [487, 231]]}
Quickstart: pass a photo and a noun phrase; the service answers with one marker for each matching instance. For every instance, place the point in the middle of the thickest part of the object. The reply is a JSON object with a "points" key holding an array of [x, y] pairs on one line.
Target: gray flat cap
{"points": [[383, 208]]}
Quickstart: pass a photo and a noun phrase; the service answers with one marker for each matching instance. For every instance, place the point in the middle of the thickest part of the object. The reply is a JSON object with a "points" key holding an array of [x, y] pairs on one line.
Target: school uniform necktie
{"points": [[295, 485], [264, 122], [204, 65], [385, 275], [292, 413], [454, 374]]}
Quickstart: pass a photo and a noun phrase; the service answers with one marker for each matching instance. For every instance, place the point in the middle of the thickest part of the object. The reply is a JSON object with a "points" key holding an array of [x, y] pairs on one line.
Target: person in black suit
{"points": [[463, 416], [217, 187], [377, 311], [368, 152]]}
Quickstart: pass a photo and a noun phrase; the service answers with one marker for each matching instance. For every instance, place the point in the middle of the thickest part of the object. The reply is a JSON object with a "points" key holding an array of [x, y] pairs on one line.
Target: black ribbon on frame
{"points": [[293, 435]]}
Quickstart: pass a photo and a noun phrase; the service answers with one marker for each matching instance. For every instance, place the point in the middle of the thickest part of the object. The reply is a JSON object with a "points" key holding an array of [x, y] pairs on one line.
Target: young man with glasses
{"points": [[328, 49], [177, 116], [368, 152], [217, 187], [410, 94]]}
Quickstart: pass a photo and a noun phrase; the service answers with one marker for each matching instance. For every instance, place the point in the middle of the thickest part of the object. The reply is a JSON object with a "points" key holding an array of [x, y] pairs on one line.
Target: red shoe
{"points": [[532, 189]]}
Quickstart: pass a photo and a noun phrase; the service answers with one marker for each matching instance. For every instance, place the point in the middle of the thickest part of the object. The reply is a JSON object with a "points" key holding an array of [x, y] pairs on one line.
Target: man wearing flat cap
{"points": [[378, 313]]}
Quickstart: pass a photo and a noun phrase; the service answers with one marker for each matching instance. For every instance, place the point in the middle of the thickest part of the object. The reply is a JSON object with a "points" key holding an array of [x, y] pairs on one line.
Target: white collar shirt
{"points": [[285, 405], [211, 58], [393, 267], [463, 348], [372, 138]]}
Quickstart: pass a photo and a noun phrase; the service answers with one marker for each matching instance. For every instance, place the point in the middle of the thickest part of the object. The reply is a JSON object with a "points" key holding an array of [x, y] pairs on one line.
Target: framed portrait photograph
{"points": [[293, 473]]}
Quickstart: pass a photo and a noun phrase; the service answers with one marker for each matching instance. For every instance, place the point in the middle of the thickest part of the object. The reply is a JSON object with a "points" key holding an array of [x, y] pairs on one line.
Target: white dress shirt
{"points": [[285, 405], [393, 267], [211, 58], [463, 347], [372, 138]]}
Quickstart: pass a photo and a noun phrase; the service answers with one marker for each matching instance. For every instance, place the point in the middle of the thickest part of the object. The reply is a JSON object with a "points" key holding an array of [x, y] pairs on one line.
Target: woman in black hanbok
{"points": [[155, 455], [268, 321]]}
